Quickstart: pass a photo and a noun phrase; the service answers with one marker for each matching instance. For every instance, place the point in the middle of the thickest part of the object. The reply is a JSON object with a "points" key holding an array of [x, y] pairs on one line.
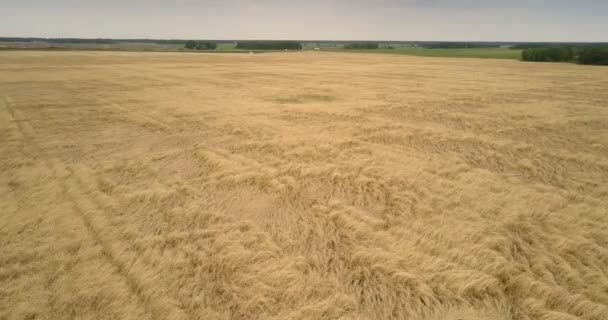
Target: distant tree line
{"points": [[523, 46], [551, 54], [59, 40], [576, 45], [459, 45], [362, 45], [96, 41], [200, 45], [585, 55], [269, 45], [595, 56]]}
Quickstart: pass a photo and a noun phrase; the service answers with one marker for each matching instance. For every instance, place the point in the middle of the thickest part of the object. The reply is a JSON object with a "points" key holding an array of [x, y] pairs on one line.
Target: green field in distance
{"points": [[489, 53]]}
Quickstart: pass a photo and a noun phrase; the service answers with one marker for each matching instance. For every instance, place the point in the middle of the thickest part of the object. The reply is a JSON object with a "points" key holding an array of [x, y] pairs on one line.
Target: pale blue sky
{"points": [[470, 20]]}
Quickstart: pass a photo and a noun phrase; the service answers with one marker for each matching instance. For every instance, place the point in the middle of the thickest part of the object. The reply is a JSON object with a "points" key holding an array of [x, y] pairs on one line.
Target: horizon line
{"points": [[300, 40]]}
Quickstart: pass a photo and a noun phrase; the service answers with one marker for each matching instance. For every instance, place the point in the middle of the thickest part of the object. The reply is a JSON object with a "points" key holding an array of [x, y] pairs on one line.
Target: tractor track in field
{"points": [[87, 209]]}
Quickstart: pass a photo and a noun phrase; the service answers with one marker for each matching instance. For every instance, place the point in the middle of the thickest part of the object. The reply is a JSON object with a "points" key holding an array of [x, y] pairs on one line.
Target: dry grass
{"points": [[301, 186]]}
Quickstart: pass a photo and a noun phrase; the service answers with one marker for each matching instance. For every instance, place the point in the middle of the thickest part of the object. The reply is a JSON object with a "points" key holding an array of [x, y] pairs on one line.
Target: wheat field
{"points": [[301, 186]]}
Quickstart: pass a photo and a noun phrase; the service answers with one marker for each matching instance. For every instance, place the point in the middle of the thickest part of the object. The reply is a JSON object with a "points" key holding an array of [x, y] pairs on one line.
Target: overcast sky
{"points": [[471, 20]]}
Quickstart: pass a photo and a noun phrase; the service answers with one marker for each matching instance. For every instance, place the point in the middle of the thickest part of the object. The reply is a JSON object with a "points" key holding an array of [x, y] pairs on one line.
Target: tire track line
{"points": [[96, 200], [24, 131], [137, 117], [151, 298], [155, 300]]}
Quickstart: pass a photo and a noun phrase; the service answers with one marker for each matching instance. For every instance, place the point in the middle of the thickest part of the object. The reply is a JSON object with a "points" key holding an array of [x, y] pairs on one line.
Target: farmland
{"points": [[481, 53], [304, 185]]}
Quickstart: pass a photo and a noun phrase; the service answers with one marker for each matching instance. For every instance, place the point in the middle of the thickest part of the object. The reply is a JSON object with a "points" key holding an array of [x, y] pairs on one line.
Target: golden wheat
{"points": [[301, 186]]}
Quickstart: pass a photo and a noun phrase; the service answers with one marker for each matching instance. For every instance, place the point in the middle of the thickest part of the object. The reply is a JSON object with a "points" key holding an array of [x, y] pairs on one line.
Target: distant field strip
{"points": [[304, 185], [482, 53]]}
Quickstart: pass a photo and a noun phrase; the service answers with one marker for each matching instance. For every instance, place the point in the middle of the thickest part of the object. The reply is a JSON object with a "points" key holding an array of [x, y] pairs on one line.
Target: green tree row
{"points": [[362, 45], [200, 45], [269, 45], [595, 56], [592, 56], [575, 45], [554, 54], [459, 45]]}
